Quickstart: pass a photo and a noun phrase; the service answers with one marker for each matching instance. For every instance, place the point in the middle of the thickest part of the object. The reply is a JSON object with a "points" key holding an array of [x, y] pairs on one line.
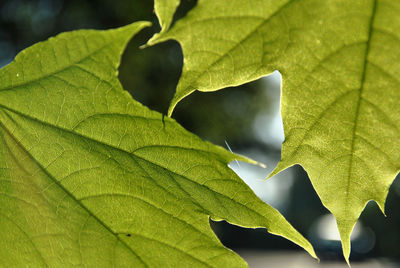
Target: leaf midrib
{"points": [[358, 104]]}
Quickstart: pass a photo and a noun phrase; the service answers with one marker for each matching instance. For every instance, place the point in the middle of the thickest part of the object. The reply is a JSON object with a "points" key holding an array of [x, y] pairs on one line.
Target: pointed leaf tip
{"points": [[339, 106]]}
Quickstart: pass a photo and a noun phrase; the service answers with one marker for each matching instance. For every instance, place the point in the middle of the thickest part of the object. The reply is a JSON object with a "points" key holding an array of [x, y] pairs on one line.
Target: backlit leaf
{"points": [[89, 177], [165, 10], [340, 66]]}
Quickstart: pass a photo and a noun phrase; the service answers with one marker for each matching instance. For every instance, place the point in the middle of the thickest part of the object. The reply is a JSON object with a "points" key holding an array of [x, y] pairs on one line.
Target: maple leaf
{"points": [[90, 177], [340, 65]]}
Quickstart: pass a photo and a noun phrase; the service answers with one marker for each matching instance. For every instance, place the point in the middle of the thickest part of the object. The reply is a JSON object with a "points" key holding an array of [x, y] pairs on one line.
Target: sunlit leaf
{"points": [[165, 10], [340, 65], [89, 177]]}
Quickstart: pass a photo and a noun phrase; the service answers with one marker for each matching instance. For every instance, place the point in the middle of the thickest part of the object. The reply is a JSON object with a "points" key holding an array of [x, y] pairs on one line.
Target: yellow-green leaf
{"points": [[340, 68], [165, 10], [89, 177]]}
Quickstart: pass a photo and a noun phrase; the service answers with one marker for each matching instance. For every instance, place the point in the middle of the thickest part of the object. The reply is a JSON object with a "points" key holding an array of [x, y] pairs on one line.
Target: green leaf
{"points": [[90, 177], [165, 10], [339, 61]]}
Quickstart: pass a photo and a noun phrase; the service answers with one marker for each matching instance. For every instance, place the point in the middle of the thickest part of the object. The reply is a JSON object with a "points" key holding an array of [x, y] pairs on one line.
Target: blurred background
{"points": [[245, 119]]}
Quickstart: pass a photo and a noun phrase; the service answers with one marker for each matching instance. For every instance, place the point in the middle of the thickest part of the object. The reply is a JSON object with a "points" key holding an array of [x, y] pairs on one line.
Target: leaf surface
{"points": [[340, 65], [165, 10], [89, 177]]}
